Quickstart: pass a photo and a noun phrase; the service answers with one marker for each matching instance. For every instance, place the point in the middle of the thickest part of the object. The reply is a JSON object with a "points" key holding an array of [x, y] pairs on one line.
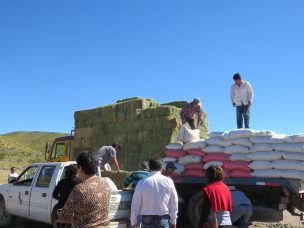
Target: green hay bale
{"points": [[116, 177], [178, 104], [143, 126]]}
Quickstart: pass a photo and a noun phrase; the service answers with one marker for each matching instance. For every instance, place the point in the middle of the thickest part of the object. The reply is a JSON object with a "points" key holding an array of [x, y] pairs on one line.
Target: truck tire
{"points": [[5, 218], [194, 208]]}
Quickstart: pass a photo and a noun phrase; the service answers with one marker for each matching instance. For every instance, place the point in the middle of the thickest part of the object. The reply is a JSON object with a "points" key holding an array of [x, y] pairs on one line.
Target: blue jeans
{"points": [[242, 111], [155, 221], [241, 214]]}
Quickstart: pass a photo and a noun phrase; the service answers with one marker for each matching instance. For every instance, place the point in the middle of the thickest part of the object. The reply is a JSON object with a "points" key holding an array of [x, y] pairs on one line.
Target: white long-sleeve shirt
{"points": [[155, 195], [241, 94]]}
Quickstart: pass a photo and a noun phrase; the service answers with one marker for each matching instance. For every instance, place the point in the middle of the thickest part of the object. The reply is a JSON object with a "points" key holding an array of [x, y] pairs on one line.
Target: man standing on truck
{"points": [[188, 111], [155, 198], [105, 153], [241, 95], [241, 208]]}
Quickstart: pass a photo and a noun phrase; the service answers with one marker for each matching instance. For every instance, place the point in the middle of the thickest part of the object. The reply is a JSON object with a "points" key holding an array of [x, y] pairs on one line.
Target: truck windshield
{"points": [[58, 150]]}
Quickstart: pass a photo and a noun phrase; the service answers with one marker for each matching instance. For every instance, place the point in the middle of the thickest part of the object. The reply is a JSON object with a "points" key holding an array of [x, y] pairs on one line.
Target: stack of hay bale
{"points": [[143, 126], [243, 153]]}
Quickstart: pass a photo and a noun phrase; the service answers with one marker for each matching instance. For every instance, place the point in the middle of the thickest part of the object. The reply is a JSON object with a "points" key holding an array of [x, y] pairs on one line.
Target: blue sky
{"points": [[57, 57]]}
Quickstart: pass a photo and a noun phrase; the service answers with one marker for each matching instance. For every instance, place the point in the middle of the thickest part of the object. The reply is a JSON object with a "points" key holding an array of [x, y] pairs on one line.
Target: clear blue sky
{"points": [[60, 56]]}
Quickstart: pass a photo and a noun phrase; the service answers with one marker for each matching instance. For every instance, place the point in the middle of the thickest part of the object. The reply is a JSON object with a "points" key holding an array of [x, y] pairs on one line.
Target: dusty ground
{"points": [[265, 217], [292, 220]]}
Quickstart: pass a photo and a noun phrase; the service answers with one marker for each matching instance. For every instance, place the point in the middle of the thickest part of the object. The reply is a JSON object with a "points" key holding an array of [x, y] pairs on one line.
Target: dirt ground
{"points": [[265, 217], [292, 221]]}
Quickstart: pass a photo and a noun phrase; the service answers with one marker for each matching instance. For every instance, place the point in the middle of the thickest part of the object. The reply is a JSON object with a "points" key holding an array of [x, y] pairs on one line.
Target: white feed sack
{"points": [[174, 146], [294, 138], [186, 135], [263, 133], [219, 163], [188, 159], [288, 164], [293, 156], [213, 149], [268, 173], [242, 141], [293, 174], [179, 168], [218, 141], [266, 139], [238, 133], [260, 165], [215, 134], [169, 159], [239, 157], [200, 144], [262, 147], [265, 156], [236, 149], [290, 147]]}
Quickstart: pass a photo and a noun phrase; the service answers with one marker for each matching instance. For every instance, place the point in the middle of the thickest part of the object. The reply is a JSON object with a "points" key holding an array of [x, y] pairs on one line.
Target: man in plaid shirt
{"points": [[188, 112]]}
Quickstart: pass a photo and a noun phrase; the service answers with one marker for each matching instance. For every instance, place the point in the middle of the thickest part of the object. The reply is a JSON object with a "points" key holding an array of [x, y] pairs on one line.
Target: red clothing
{"points": [[219, 196]]}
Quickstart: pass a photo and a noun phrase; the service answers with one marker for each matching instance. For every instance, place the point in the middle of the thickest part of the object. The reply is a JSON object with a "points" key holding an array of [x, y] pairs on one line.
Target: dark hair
{"points": [[155, 164], [13, 168], [88, 162], [117, 145], [237, 76], [71, 171], [170, 165], [214, 173], [144, 165]]}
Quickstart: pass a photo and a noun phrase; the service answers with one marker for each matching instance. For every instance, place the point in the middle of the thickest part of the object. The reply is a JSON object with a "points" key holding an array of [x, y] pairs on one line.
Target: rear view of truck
{"points": [[266, 166]]}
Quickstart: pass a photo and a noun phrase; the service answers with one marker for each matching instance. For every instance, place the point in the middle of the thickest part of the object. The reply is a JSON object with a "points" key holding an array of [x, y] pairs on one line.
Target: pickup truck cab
{"points": [[30, 196]]}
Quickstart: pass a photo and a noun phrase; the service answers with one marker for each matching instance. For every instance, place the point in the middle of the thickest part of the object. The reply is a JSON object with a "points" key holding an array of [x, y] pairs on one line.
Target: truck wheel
{"points": [[5, 218], [194, 208]]}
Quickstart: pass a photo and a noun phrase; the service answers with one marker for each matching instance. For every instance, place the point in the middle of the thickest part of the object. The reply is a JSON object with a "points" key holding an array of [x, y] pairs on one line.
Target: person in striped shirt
{"points": [[188, 111], [137, 176]]}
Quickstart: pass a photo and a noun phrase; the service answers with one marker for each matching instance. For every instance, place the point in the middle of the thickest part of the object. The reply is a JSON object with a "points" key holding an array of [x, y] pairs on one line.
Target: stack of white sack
{"points": [[269, 154], [241, 153]]}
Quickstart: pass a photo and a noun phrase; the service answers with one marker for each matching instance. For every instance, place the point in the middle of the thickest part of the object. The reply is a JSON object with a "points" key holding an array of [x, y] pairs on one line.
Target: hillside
{"points": [[20, 148]]}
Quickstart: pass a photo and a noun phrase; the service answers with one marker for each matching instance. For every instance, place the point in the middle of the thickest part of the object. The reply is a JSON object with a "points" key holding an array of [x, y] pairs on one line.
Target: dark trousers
{"points": [[153, 221], [242, 111], [190, 122]]}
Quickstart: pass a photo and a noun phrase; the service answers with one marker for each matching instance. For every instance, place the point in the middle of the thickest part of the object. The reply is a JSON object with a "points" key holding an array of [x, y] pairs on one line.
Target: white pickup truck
{"points": [[30, 196]]}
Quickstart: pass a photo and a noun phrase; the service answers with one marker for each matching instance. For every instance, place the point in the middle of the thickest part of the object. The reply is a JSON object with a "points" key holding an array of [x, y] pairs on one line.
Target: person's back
{"points": [[105, 153], [64, 188], [242, 209], [155, 198], [152, 186], [95, 194], [136, 176], [88, 203]]}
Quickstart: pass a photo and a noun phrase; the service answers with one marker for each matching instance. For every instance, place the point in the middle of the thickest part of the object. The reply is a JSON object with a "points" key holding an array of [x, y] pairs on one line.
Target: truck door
{"points": [[19, 192], [41, 196]]}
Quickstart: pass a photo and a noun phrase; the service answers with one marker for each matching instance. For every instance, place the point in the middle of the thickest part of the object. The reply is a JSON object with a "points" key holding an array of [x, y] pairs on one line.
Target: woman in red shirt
{"points": [[217, 202]]}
